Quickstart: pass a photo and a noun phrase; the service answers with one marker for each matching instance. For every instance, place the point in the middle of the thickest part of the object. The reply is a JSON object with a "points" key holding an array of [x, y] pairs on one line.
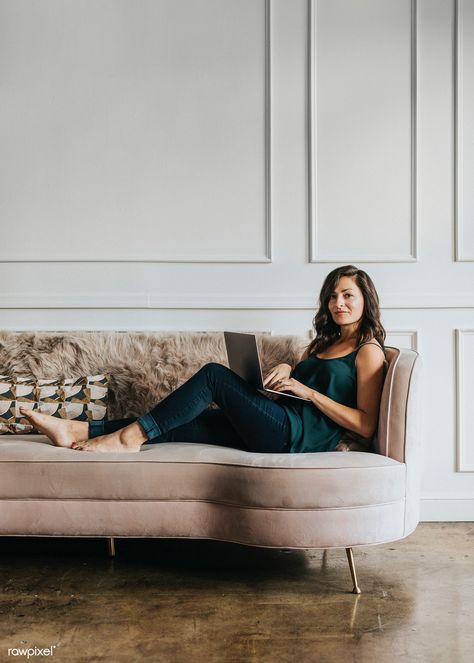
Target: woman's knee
{"points": [[214, 367], [216, 373]]}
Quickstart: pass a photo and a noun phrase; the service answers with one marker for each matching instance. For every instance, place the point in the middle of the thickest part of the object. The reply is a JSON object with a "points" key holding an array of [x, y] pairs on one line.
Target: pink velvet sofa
{"points": [[312, 500]]}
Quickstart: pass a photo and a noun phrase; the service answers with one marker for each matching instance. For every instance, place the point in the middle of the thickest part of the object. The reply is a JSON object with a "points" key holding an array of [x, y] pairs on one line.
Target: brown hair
{"points": [[327, 331]]}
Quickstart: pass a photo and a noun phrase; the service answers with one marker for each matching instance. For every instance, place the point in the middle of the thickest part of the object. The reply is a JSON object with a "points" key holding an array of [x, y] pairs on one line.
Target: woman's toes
{"points": [[81, 446]]}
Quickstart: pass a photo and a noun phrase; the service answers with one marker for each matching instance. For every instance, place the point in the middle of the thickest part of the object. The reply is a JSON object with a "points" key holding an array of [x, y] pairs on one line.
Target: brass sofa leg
{"points": [[111, 546], [350, 559]]}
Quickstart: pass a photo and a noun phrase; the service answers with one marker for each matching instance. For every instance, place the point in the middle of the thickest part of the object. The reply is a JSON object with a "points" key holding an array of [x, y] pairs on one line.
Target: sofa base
{"points": [[274, 528]]}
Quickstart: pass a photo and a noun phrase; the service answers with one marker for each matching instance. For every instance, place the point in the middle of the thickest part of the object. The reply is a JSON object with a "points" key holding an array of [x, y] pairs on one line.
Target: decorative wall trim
{"points": [[461, 368], [458, 134], [267, 258], [314, 257], [176, 259], [447, 509], [413, 335], [143, 300], [268, 138]]}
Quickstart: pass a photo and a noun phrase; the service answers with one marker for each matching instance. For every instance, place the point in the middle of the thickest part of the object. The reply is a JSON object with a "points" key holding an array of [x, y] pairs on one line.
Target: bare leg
{"points": [[126, 439], [74, 434], [63, 432]]}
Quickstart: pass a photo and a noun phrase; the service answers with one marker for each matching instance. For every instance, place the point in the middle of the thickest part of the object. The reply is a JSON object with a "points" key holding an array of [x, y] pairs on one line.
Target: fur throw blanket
{"points": [[143, 367]]}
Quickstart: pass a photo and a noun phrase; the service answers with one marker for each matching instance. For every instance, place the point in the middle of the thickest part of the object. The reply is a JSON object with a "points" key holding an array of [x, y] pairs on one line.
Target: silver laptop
{"points": [[244, 359]]}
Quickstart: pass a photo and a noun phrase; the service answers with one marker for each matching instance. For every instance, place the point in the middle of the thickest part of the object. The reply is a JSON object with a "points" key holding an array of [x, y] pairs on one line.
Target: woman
{"points": [[341, 372]]}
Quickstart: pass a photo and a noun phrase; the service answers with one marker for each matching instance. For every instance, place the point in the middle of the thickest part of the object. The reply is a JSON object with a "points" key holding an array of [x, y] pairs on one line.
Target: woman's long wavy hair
{"points": [[327, 331]]}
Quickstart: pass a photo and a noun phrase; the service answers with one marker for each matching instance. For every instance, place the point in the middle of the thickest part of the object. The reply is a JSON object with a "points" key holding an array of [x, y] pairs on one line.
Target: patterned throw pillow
{"points": [[82, 398]]}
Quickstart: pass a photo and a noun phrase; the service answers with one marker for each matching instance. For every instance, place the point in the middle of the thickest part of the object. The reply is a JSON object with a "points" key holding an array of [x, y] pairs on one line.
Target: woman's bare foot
{"points": [[128, 439], [63, 432]]}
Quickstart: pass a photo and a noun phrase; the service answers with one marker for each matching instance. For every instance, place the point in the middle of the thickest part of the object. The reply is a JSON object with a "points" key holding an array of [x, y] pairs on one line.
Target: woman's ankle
{"points": [[80, 430], [133, 435]]}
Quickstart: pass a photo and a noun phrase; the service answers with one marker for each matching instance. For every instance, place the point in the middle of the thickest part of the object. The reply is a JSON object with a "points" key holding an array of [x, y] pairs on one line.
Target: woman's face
{"points": [[346, 302]]}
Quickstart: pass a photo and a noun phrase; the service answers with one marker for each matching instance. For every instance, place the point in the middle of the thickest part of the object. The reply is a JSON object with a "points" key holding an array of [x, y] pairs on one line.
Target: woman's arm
{"points": [[363, 419]]}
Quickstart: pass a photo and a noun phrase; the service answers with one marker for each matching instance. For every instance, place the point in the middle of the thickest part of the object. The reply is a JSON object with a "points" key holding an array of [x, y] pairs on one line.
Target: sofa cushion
{"points": [[31, 467]]}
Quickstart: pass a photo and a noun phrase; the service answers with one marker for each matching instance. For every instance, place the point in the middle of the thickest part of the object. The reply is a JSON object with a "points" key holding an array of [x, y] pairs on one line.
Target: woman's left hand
{"points": [[295, 387]]}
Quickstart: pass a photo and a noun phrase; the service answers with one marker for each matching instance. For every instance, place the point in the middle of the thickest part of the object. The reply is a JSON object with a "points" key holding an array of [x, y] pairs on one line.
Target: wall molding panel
{"points": [[364, 205], [403, 339], [167, 186], [464, 131], [464, 343]]}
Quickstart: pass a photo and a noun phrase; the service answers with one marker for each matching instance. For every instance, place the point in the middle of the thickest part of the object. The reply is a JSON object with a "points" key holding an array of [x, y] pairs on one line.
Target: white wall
{"points": [[203, 164]]}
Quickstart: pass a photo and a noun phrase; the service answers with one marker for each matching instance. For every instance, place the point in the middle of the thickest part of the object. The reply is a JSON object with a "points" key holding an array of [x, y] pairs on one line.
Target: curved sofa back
{"points": [[399, 391], [398, 433]]}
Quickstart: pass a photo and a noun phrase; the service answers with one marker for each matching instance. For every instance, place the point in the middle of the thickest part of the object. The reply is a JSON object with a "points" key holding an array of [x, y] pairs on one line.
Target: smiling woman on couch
{"points": [[341, 373]]}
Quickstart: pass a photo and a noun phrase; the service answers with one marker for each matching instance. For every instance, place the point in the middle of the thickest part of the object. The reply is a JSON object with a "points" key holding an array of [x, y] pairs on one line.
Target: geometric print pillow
{"points": [[83, 398]]}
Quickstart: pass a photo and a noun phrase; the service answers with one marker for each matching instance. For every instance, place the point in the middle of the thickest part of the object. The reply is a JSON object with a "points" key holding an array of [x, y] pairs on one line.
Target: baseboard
{"points": [[450, 510]]}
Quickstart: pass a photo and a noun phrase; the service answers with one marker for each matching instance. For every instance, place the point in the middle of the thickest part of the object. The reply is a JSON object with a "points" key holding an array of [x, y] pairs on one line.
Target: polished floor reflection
{"points": [[182, 600]]}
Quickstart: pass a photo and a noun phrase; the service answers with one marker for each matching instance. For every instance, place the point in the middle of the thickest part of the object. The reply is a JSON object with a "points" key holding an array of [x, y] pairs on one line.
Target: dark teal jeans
{"points": [[246, 419]]}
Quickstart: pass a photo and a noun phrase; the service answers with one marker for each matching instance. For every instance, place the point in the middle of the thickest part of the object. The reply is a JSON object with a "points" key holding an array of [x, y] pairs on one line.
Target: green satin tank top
{"points": [[311, 430]]}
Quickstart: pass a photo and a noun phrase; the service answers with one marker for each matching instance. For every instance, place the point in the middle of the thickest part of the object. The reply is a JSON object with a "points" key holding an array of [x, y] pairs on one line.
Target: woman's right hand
{"points": [[280, 372]]}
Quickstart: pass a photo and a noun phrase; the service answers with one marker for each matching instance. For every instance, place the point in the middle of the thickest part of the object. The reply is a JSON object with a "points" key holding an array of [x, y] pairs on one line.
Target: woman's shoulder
{"points": [[370, 348], [370, 341]]}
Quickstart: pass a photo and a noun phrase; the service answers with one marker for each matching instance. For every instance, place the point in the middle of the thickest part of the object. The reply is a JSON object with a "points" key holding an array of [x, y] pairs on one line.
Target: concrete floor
{"points": [[183, 600]]}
